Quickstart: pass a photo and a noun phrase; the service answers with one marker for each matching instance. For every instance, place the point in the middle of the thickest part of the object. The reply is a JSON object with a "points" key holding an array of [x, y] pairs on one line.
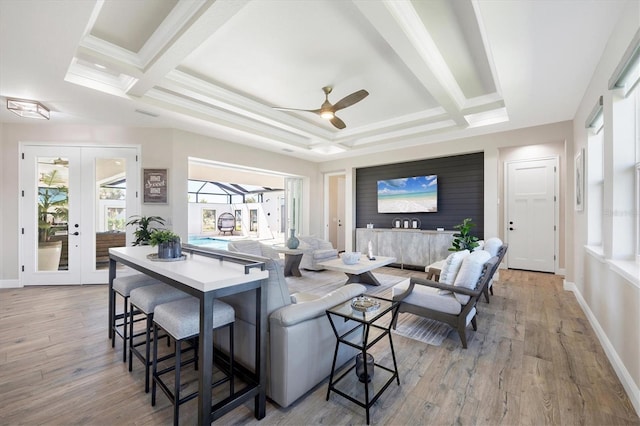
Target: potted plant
{"points": [[168, 243], [52, 205], [145, 228], [463, 240]]}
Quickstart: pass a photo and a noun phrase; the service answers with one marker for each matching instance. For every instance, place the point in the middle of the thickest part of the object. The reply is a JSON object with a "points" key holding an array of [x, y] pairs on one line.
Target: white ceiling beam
{"points": [[401, 27], [205, 22]]}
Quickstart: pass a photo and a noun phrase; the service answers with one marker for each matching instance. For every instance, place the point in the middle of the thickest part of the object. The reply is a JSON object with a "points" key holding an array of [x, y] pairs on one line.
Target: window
{"points": [[208, 221], [595, 175], [622, 155], [238, 214]]}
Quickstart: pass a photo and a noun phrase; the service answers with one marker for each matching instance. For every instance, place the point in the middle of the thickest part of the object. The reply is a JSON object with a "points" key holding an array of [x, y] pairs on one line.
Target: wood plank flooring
{"points": [[534, 360]]}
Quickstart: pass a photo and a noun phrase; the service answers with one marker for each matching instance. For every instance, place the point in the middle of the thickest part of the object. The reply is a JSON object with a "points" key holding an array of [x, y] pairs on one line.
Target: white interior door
{"points": [[531, 214], [340, 214], [74, 206]]}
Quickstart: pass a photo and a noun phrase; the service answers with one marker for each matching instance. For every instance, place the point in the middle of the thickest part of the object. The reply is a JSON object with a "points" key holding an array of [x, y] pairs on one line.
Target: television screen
{"points": [[416, 194]]}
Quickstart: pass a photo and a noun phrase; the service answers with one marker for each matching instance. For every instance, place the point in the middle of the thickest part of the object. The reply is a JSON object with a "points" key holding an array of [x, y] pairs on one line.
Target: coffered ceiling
{"points": [[434, 69]]}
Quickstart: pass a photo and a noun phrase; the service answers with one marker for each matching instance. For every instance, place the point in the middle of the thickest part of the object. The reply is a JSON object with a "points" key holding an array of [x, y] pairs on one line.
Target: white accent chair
{"points": [[463, 279], [315, 250]]}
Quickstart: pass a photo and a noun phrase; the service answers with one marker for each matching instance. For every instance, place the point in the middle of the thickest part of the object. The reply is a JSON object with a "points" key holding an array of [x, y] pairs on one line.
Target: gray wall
{"points": [[460, 192]]}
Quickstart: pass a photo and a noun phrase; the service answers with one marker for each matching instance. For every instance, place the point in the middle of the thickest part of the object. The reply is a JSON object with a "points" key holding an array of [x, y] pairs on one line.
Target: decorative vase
{"points": [[169, 250], [360, 368], [293, 242]]}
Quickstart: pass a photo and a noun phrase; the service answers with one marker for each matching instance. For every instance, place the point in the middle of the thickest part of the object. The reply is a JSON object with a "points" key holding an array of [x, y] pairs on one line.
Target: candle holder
{"points": [[360, 368]]}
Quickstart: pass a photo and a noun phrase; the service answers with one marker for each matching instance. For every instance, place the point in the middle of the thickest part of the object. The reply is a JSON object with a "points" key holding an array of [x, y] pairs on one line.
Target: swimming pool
{"points": [[209, 242]]}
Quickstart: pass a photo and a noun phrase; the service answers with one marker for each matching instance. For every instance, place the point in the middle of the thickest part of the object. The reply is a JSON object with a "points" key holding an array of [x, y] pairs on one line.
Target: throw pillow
{"points": [[492, 245], [451, 267], [470, 272]]}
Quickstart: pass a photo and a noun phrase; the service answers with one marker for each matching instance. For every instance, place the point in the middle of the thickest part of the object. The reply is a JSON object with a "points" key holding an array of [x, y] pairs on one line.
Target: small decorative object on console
{"points": [[364, 304], [350, 257]]}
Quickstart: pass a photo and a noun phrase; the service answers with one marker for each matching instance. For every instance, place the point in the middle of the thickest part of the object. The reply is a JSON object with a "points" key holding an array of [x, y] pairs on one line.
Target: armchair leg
{"points": [[463, 336]]}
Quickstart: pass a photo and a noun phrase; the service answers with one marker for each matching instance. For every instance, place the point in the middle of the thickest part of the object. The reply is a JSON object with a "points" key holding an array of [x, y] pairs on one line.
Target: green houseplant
{"points": [[168, 243], [145, 228], [463, 240], [52, 205]]}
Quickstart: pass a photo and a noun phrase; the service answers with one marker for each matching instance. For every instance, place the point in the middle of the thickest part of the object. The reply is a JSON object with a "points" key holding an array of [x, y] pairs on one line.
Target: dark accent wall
{"points": [[460, 192]]}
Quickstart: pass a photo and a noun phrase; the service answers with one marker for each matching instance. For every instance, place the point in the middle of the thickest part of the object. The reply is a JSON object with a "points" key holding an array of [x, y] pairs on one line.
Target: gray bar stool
{"points": [[181, 321], [146, 299], [123, 286]]}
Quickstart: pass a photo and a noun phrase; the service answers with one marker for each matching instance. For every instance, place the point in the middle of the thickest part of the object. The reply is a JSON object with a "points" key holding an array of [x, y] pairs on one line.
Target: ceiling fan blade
{"points": [[337, 122], [315, 111], [350, 99]]}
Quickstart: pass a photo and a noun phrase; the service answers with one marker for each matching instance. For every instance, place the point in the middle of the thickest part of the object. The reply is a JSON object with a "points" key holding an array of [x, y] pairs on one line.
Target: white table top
{"points": [[199, 272], [363, 265]]}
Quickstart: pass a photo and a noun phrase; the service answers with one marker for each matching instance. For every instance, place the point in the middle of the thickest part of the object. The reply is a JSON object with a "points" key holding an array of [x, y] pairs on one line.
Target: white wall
{"points": [[608, 290], [161, 148]]}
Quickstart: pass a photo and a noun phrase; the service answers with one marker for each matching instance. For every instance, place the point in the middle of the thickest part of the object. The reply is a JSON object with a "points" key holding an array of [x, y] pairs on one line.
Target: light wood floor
{"points": [[534, 360]]}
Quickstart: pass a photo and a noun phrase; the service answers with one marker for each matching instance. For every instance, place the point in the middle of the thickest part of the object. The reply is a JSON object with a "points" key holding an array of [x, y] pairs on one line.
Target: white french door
{"points": [[74, 207], [531, 214]]}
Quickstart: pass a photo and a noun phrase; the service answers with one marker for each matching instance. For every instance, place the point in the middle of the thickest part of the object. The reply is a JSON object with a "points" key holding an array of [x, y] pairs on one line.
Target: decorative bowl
{"points": [[364, 304], [350, 257]]}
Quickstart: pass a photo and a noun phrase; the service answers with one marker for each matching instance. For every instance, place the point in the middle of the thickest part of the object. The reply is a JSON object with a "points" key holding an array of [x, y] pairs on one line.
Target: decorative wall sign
{"points": [[154, 186]]}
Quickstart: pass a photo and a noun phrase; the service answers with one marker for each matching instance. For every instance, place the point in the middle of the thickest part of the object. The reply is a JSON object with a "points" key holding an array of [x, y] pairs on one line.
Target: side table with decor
{"points": [[364, 374]]}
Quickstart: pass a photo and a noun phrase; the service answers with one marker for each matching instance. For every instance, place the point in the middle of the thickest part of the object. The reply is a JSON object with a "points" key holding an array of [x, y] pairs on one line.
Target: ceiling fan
{"points": [[328, 111]]}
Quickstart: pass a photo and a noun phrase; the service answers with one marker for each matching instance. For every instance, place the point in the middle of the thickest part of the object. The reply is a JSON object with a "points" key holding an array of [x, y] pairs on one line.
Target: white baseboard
{"points": [[10, 284], [561, 271], [633, 391]]}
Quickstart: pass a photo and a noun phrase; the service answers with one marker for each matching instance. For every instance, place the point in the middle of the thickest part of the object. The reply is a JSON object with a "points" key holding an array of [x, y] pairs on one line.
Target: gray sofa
{"points": [[300, 343]]}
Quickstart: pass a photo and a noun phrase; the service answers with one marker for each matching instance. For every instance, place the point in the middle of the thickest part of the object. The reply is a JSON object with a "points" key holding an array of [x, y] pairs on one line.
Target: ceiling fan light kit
{"points": [[328, 111], [27, 108]]}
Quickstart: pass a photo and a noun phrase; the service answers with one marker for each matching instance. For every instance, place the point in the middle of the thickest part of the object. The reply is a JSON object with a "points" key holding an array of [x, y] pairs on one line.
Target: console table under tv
{"points": [[413, 248]]}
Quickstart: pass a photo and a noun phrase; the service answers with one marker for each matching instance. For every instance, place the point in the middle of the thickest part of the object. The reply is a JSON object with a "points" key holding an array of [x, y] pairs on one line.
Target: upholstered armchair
{"points": [[497, 248], [315, 250], [494, 246], [255, 248], [453, 299]]}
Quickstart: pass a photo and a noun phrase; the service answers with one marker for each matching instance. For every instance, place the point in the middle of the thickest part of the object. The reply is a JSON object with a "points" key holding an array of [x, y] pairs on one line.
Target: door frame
{"points": [[136, 204], [326, 206], [556, 213]]}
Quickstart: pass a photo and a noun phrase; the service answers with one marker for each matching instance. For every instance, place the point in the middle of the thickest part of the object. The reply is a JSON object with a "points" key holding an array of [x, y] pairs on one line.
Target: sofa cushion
{"points": [[246, 246], [470, 272], [293, 314], [428, 297], [492, 245]]}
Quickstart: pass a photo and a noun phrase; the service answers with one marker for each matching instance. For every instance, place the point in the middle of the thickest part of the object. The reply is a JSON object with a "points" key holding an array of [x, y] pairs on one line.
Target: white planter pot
{"points": [[49, 255]]}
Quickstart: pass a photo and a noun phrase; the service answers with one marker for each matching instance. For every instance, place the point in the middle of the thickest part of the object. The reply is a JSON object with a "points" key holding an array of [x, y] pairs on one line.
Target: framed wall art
{"points": [[155, 186], [579, 196]]}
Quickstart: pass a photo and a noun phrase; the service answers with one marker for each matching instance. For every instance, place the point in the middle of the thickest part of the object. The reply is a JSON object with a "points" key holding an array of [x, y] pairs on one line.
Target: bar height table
{"points": [[208, 274]]}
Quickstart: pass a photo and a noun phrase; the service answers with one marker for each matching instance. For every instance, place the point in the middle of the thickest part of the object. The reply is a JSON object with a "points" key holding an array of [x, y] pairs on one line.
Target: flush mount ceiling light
{"points": [[26, 108]]}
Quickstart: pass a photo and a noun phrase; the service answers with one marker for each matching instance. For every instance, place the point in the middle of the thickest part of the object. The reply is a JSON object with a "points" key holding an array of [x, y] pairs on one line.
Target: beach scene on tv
{"points": [[416, 194]]}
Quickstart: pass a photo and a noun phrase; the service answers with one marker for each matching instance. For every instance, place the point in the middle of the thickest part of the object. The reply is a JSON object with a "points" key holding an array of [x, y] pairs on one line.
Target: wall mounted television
{"points": [[417, 194]]}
